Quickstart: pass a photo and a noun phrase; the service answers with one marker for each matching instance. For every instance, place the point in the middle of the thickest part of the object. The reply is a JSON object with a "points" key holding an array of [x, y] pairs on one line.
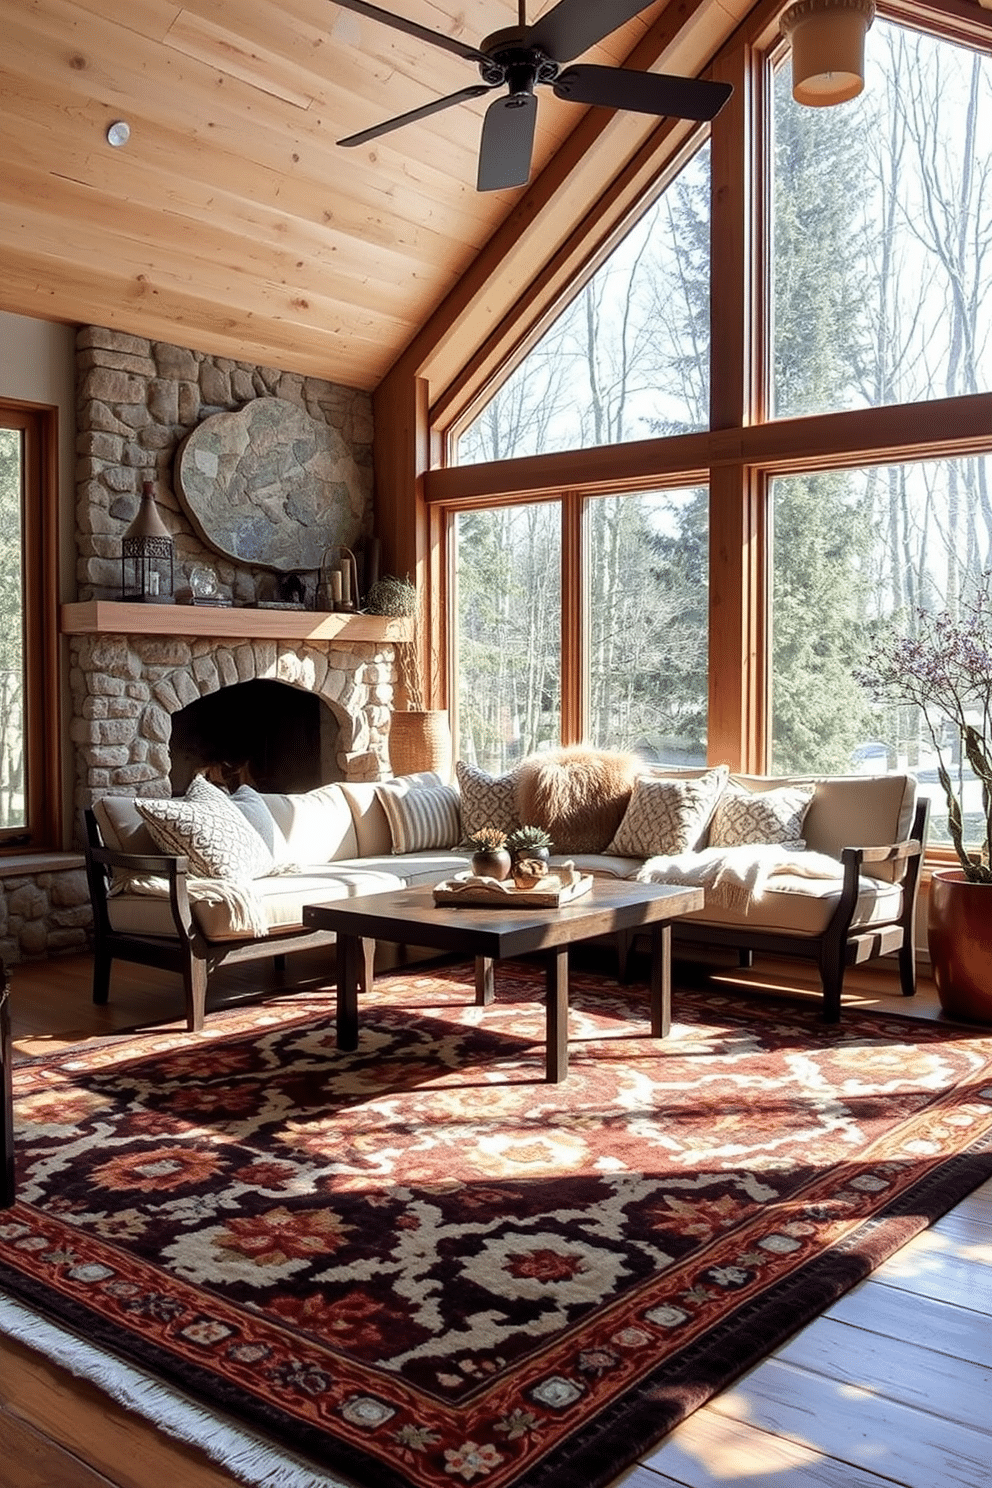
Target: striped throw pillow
{"points": [[420, 817]]}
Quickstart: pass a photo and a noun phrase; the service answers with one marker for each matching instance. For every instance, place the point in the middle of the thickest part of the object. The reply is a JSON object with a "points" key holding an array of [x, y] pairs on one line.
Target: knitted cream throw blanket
{"points": [[247, 916], [736, 876]]}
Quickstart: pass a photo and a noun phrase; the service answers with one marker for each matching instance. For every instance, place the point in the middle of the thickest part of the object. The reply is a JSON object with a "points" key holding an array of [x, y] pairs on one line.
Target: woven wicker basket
{"points": [[420, 740]]}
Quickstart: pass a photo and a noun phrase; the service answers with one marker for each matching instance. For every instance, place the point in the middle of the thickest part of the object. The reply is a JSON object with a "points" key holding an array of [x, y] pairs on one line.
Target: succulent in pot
{"points": [[490, 858], [529, 842]]}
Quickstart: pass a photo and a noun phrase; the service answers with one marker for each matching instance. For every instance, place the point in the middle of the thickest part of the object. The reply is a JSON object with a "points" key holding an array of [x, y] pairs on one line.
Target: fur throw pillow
{"points": [[578, 795]]}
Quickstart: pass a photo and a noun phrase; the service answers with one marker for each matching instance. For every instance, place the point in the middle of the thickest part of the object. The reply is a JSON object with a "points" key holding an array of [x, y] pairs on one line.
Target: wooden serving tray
{"points": [[465, 888]]}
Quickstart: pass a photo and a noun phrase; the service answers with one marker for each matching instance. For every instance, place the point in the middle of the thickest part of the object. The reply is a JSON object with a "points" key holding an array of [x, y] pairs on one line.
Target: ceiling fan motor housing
{"points": [[513, 60]]}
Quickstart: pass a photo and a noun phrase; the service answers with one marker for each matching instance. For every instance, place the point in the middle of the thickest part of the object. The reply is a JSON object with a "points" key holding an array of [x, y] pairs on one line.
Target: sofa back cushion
{"points": [[486, 800], [205, 826], [852, 811], [743, 817], [420, 817], [122, 826], [667, 817], [316, 824], [373, 838]]}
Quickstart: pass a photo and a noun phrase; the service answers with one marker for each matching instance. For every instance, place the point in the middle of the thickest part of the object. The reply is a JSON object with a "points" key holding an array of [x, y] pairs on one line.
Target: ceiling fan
{"points": [[522, 56]]}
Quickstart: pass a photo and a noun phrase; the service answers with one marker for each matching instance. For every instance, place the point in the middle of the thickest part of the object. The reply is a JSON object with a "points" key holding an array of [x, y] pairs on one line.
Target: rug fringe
{"points": [[248, 1458]]}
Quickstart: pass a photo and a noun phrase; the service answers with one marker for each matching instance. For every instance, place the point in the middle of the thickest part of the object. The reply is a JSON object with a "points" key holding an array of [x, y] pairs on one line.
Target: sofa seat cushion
{"points": [[416, 869], [278, 900], [805, 906]]}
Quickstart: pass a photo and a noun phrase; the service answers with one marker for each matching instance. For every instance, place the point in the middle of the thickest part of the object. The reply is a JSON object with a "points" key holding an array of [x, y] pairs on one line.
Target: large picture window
{"points": [[780, 383], [852, 548], [508, 633], [882, 220], [628, 358], [647, 590]]}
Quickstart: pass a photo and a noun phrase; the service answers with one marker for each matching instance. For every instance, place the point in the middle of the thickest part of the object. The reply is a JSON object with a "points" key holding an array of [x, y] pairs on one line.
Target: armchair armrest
{"points": [[894, 852], [101, 861]]}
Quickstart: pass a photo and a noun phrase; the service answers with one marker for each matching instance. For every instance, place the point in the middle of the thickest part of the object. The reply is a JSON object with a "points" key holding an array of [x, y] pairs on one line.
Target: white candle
{"points": [[153, 583], [336, 585], [345, 584]]}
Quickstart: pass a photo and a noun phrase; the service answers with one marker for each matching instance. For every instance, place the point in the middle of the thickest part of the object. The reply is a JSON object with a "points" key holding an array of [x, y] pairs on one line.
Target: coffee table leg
{"points": [[661, 980], [349, 949], [485, 981], [556, 1057]]}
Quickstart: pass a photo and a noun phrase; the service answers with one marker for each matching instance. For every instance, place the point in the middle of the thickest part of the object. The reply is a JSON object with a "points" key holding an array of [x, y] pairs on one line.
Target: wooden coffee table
{"points": [[410, 916]]}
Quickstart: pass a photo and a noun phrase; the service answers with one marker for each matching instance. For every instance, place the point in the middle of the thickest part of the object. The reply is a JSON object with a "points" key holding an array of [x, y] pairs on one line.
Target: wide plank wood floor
{"points": [[891, 1386]]}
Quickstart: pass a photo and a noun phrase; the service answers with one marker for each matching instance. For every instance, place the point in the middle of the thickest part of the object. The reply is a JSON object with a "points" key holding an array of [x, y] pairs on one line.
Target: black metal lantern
{"points": [[146, 554]]}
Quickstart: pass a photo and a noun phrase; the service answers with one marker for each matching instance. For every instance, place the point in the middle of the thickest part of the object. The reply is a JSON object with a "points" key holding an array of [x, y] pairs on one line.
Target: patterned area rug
{"points": [[419, 1264]]}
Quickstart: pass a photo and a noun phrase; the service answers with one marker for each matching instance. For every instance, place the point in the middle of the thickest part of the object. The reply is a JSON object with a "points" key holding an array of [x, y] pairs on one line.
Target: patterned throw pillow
{"points": [[487, 800], [668, 816], [742, 816], [420, 817], [207, 828]]}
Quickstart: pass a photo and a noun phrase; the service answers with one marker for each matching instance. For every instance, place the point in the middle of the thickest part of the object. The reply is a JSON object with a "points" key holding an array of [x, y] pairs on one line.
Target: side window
{"points": [[28, 736]]}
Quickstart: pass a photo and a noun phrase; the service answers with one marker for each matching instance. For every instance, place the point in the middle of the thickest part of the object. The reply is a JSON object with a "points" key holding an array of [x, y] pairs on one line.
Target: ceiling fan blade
{"points": [[507, 142], [573, 26], [644, 92], [424, 112], [422, 33]]}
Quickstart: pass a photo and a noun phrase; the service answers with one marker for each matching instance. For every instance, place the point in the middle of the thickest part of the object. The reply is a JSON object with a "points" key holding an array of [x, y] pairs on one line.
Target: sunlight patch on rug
{"points": [[421, 1264]]}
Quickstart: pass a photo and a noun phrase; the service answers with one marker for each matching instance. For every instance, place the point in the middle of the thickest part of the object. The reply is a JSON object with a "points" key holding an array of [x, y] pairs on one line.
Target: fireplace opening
{"points": [[265, 734]]}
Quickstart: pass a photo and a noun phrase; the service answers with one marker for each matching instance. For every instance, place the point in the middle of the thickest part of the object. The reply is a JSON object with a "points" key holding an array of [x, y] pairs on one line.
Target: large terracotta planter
{"points": [[959, 933]]}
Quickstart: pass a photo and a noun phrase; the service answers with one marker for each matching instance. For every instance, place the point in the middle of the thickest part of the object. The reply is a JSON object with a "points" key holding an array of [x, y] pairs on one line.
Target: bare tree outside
{"points": [[913, 323]]}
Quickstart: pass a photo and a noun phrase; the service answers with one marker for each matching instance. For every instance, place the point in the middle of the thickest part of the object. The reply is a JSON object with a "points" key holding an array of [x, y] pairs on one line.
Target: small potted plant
{"points": [[942, 663], [490, 858], [529, 842]]}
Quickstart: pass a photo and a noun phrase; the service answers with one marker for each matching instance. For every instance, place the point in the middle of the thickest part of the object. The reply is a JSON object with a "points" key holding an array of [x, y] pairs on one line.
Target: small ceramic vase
{"points": [[495, 864]]}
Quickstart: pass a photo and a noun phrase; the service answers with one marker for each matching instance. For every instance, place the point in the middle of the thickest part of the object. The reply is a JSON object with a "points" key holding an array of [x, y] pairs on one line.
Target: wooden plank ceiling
{"points": [[231, 222]]}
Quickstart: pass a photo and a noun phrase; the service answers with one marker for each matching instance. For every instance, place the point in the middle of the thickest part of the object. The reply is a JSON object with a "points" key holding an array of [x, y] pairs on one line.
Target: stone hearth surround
{"points": [[126, 688]]}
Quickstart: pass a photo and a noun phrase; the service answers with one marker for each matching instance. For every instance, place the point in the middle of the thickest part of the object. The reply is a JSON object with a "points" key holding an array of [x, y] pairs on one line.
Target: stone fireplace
{"points": [[134, 669]]}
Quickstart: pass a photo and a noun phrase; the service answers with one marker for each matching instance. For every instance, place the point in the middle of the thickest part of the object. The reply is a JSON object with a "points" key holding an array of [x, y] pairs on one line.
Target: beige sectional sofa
{"points": [[164, 895]]}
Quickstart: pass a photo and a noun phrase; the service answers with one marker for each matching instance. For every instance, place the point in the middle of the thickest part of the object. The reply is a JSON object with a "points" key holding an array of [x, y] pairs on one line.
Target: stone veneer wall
{"points": [[135, 401], [42, 912]]}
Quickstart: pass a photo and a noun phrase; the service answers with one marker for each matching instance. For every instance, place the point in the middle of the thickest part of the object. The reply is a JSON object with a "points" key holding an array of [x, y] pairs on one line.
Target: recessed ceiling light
{"points": [[118, 133]]}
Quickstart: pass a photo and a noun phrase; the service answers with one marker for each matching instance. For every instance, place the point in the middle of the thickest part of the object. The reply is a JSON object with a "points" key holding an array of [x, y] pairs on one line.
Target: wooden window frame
{"points": [[736, 457], [42, 763]]}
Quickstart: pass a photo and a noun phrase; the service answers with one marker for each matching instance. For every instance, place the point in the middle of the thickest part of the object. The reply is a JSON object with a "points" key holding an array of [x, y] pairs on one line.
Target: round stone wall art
{"points": [[269, 485]]}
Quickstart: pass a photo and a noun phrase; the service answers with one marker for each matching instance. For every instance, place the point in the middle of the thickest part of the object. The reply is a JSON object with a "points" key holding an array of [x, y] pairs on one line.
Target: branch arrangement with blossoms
{"points": [[945, 669]]}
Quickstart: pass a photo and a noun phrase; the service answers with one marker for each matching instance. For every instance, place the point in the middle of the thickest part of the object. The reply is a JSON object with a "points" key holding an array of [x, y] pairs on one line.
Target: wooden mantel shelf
{"points": [[110, 617]]}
